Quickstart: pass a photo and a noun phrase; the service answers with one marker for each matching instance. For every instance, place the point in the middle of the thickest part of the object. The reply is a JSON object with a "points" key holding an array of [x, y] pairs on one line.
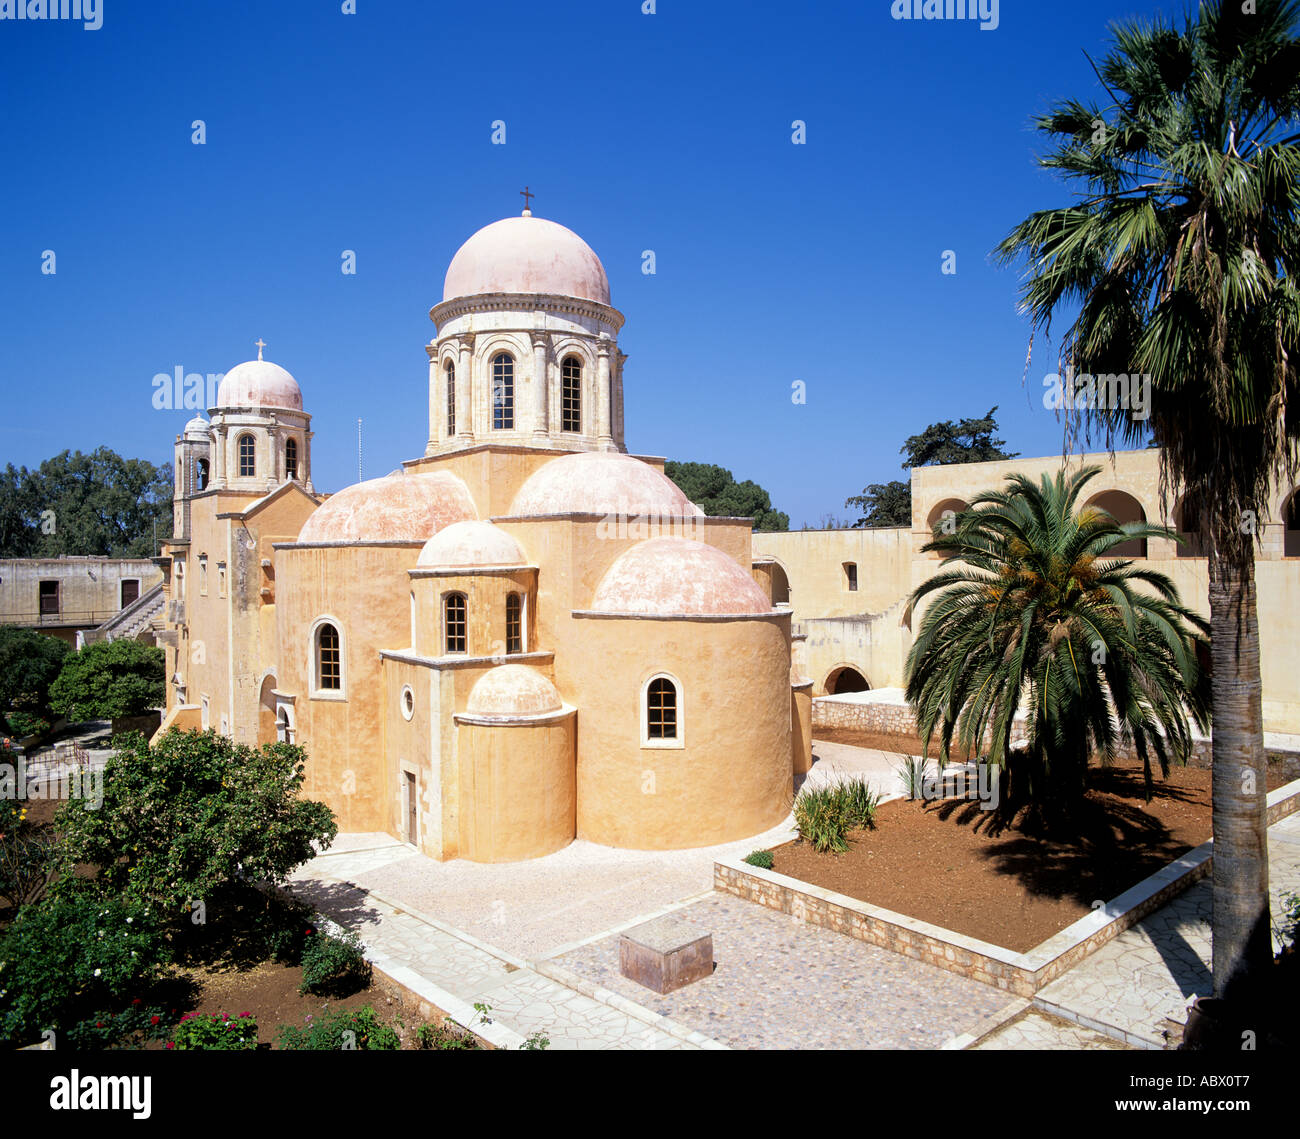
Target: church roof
{"points": [[471, 543], [513, 690], [665, 576], [526, 255], [259, 383], [398, 507], [601, 482]]}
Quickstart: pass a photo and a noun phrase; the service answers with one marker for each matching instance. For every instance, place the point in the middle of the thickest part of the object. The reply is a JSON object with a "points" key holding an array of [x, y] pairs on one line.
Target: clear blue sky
{"points": [[670, 132]]}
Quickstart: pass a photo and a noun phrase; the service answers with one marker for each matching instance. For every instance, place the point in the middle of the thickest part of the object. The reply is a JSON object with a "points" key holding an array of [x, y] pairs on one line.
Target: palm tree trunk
{"points": [[1242, 939]]}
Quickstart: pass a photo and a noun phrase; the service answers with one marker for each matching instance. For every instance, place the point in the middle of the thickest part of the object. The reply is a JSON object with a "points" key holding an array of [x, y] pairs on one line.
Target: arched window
{"points": [[449, 370], [200, 474], [514, 624], [1123, 508], [291, 458], [453, 622], [571, 394], [247, 456], [329, 658], [661, 713], [503, 391]]}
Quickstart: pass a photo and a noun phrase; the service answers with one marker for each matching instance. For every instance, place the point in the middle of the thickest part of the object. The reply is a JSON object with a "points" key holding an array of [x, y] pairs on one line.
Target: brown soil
{"points": [[948, 863]]}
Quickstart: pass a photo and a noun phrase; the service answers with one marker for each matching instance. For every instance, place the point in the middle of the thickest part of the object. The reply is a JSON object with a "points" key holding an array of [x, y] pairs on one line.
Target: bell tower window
{"points": [[291, 458]]}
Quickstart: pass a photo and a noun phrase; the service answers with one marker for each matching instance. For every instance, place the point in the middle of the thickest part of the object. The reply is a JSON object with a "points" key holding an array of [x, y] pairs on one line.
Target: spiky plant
{"points": [[1034, 610]]}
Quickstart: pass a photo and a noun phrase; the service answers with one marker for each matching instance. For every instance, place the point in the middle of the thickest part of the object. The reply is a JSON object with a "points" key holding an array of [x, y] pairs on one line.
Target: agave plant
{"points": [[1031, 612]]}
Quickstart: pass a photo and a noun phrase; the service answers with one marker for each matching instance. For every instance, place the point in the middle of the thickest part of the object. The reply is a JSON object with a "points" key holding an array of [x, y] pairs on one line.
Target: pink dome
{"points": [[471, 544], [513, 690], [399, 507], [526, 255], [676, 575], [259, 383], [601, 482]]}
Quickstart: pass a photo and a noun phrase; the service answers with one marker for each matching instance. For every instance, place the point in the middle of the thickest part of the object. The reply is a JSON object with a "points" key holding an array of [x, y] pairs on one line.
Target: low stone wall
{"points": [[890, 719], [1020, 973]]}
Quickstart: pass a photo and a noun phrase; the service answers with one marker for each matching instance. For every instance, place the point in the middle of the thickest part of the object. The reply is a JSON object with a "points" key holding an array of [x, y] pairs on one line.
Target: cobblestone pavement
{"points": [[1039, 1031], [1152, 971], [780, 983]]}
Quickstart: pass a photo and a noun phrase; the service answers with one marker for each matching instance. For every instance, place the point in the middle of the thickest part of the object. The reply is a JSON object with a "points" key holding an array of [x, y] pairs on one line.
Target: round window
{"points": [[408, 702]]}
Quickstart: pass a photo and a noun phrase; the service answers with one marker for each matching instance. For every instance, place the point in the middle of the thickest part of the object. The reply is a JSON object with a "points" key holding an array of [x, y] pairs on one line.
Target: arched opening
{"points": [[571, 394], [268, 728], [503, 392], [1190, 520], [780, 585], [329, 658], [291, 458], [942, 519], [1291, 517], [449, 371], [1123, 508], [201, 474], [514, 623], [846, 679], [455, 637], [661, 713], [247, 456]]}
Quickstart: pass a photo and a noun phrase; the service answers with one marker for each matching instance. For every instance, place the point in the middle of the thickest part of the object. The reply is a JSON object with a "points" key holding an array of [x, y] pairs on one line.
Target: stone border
{"points": [[1020, 973]]}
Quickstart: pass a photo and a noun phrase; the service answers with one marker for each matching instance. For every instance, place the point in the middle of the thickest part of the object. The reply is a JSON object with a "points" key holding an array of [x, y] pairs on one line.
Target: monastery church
{"points": [[475, 659]]}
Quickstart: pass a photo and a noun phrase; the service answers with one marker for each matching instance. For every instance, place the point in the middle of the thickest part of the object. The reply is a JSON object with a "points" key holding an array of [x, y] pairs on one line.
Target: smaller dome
{"points": [[197, 428], [601, 482], [471, 543], [259, 383], [399, 507], [664, 576], [513, 690]]}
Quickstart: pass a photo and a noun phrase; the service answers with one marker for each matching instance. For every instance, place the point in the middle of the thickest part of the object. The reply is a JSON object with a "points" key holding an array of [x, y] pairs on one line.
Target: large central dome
{"points": [[526, 255]]}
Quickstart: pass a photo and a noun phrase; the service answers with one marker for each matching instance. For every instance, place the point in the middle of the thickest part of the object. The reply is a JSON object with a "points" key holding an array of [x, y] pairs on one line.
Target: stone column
{"points": [[605, 440], [541, 387], [464, 385], [431, 350], [304, 461], [219, 459], [619, 429]]}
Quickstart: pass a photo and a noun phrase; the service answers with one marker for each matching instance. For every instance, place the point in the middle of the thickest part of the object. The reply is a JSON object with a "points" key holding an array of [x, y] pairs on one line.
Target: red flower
{"points": [[136, 1001], [154, 1019], [170, 1044], [99, 1024]]}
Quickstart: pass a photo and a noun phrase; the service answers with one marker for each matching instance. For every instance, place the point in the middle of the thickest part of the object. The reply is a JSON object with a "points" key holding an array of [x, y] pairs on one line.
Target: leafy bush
{"points": [[109, 679], [445, 1038], [29, 665], [27, 724], [361, 1030], [334, 965], [761, 858], [133, 1025], [283, 927], [825, 815], [207, 1032], [197, 811], [70, 955]]}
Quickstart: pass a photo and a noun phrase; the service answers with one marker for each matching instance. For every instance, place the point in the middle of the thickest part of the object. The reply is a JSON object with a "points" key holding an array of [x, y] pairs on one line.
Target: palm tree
{"points": [[1178, 254], [1038, 611]]}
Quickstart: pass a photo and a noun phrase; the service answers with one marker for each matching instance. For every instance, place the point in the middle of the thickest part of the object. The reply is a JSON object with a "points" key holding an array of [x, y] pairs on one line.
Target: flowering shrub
{"points": [[135, 1024], [208, 1032], [333, 965], [360, 1030], [68, 956]]}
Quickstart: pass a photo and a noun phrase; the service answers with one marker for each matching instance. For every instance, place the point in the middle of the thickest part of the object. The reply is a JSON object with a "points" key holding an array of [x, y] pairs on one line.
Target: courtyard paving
{"points": [[538, 943]]}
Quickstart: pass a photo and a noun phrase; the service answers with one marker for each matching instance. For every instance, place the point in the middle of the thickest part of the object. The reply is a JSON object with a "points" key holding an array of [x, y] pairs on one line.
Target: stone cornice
{"points": [[524, 303]]}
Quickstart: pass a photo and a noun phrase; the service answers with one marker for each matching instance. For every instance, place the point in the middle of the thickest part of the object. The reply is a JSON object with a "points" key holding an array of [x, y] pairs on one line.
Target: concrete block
{"points": [[665, 954]]}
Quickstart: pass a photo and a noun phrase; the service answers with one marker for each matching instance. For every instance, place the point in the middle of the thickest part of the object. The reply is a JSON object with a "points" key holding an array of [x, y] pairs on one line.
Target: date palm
{"points": [[1176, 260], [1035, 611]]}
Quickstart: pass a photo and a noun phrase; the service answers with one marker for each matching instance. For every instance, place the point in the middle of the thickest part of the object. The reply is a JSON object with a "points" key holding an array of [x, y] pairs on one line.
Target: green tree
{"points": [[108, 679], [970, 440], [29, 665], [715, 491], [98, 504], [1176, 260], [194, 813], [1033, 608]]}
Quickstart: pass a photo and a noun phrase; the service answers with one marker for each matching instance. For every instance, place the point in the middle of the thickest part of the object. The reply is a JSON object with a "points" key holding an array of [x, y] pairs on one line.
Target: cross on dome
{"points": [[528, 196], [260, 345]]}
